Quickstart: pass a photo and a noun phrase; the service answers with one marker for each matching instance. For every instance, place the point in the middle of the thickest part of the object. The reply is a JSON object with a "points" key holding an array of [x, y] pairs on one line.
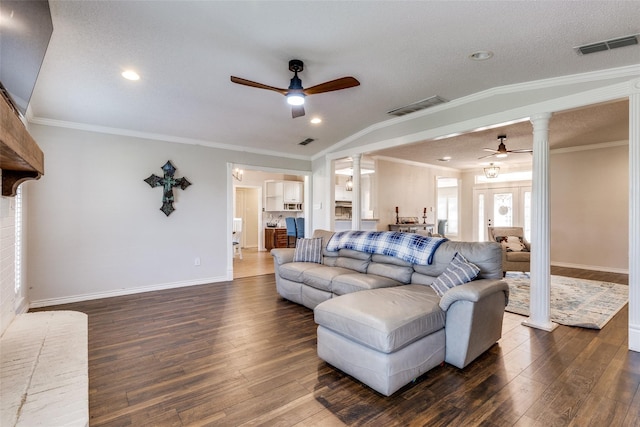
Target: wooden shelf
{"points": [[20, 157]]}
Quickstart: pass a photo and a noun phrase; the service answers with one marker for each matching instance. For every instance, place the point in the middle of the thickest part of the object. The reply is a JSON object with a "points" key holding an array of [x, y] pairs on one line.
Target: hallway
{"points": [[253, 263]]}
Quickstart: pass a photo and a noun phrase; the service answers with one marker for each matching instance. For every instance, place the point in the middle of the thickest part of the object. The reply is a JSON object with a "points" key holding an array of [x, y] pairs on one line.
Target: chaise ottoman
{"points": [[384, 337]]}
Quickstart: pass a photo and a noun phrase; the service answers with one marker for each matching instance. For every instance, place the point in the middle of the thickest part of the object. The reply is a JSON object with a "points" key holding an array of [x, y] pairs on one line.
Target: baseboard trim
{"points": [[591, 267], [634, 337], [22, 306], [126, 291]]}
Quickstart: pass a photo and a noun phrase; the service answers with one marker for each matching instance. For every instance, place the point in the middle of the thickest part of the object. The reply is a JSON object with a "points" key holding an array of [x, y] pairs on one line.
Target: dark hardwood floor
{"points": [[235, 354]]}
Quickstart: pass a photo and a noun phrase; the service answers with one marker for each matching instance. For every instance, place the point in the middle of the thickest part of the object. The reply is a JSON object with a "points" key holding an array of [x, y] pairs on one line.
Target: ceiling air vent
{"points": [[607, 45], [417, 106], [306, 141]]}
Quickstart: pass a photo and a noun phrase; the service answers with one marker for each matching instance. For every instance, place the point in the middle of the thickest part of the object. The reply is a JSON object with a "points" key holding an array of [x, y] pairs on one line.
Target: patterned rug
{"points": [[574, 302]]}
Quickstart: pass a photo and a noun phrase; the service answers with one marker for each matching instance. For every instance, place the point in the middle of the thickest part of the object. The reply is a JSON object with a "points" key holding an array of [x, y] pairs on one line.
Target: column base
{"points": [[634, 337], [547, 326]]}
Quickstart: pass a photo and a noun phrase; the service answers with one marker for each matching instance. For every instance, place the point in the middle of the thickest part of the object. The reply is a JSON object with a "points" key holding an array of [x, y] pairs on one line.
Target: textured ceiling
{"points": [[591, 125], [401, 52]]}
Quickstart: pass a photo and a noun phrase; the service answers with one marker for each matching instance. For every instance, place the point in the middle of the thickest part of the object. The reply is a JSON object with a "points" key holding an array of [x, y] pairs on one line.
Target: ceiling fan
{"points": [[502, 149], [295, 93]]}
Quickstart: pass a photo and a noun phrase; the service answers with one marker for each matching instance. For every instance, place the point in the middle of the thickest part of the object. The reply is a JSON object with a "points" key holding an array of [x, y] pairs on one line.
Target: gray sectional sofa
{"points": [[380, 321]]}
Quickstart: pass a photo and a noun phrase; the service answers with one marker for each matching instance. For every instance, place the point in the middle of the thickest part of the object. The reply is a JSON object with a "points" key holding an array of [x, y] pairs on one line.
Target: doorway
{"points": [[246, 208], [501, 207]]}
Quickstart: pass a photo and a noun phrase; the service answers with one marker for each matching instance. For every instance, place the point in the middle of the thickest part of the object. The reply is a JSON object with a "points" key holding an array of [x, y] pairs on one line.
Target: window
{"points": [[448, 203], [18, 241]]}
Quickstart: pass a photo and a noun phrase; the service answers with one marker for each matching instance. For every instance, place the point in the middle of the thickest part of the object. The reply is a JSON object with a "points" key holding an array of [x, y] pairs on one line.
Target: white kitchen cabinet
{"points": [[292, 191], [274, 200], [342, 195], [283, 196]]}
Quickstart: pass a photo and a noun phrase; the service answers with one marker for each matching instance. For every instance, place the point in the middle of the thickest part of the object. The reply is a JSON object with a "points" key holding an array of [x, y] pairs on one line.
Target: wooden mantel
{"points": [[20, 157]]}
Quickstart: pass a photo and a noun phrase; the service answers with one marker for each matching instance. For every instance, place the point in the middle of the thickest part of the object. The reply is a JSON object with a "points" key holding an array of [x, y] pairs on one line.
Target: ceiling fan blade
{"points": [[524, 150], [484, 157], [337, 84], [491, 150], [245, 82], [297, 111]]}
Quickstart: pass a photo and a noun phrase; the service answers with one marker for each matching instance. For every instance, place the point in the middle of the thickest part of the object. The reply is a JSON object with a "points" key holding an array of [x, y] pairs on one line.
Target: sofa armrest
{"points": [[283, 255], [475, 312], [474, 291]]}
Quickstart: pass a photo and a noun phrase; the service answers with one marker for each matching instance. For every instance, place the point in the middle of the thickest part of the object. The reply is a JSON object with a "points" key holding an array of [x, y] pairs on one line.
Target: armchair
{"points": [[516, 251]]}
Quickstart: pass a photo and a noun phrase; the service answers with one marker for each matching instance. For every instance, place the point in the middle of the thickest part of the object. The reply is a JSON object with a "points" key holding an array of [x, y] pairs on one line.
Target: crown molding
{"points": [[158, 137], [599, 146]]}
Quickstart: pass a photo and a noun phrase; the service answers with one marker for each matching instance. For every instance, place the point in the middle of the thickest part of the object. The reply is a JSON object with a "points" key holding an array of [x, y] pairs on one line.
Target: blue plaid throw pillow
{"points": [[308, 250], [460, 271]]}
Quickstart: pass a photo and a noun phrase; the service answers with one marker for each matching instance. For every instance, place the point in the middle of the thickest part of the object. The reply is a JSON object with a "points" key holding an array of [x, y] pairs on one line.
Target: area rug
{"points": [[574, 302]]}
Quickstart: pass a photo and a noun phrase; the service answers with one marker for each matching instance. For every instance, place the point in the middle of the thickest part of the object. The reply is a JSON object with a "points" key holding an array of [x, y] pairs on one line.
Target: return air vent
{"points": [[607, 45], [306, 141], [417, 106]]}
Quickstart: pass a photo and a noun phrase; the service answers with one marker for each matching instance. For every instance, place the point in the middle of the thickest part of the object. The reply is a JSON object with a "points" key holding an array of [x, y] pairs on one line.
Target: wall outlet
{"points": [[196, 261]]}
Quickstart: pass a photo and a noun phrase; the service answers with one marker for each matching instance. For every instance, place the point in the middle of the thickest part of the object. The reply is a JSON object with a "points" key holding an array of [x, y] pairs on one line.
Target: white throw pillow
{"points": [[512, 243]]}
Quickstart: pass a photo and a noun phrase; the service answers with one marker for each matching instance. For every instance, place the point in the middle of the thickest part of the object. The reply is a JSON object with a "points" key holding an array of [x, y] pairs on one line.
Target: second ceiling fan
{"points": [[295, 93], [502, 149]]}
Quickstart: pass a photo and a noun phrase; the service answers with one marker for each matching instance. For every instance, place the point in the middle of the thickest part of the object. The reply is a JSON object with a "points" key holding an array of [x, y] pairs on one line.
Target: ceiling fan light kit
{"points": [[502, 151], [296, 93], [295, 99]]}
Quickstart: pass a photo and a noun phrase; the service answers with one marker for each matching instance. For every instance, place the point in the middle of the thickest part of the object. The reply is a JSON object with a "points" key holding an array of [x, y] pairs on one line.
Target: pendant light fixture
{"points": [[491, 171]]}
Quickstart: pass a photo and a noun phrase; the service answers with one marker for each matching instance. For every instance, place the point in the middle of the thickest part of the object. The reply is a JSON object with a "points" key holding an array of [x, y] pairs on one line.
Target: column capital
{"points": [[540, 118]]}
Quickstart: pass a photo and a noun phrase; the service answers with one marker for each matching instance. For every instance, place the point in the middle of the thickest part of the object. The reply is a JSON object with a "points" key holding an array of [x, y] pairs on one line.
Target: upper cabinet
{"points": [[283, 196], [292, 191], [342, 195]]}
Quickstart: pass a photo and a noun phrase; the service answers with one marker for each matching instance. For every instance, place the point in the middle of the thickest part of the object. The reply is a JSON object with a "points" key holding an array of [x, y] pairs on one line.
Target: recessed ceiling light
{"points": [[481, 55], [130, 75], [445, 159], [316, 120]]}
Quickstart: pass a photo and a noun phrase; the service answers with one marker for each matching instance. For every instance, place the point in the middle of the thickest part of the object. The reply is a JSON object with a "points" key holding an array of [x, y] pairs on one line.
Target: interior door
{"points": [[247, 209]]}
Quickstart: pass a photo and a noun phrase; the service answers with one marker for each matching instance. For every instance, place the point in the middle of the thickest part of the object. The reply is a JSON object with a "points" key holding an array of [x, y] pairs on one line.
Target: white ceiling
{"points": [[401, 52]]}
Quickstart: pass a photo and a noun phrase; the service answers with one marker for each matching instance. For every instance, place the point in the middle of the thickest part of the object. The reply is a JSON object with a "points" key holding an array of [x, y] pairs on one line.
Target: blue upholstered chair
{"points": [[300, 228], [291, 229]]}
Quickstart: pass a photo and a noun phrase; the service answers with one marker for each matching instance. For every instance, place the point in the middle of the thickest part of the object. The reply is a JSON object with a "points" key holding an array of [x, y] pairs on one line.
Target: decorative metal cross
{"points": [[168, 182]]}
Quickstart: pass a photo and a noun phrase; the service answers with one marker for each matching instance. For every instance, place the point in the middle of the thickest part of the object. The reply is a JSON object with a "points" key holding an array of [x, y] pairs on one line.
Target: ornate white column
{"points": [[356, 209], [540, 289], [634, 219]]}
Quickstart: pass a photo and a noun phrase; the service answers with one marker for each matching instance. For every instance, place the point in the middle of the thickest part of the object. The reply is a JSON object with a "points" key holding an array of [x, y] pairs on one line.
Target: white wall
{"points": [[95, 226], [410, 187], [589, 200]]}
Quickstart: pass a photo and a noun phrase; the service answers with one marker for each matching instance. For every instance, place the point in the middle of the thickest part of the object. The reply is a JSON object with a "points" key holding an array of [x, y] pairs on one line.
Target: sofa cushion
{"points": [[387, 259], [322, 276], [458, 272], [348, 283], [325, 235], [486, 255], [354, 260], [294, 270], [421, 279], [517, 256], [395, 272], [308, 250], [372, 318]]}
